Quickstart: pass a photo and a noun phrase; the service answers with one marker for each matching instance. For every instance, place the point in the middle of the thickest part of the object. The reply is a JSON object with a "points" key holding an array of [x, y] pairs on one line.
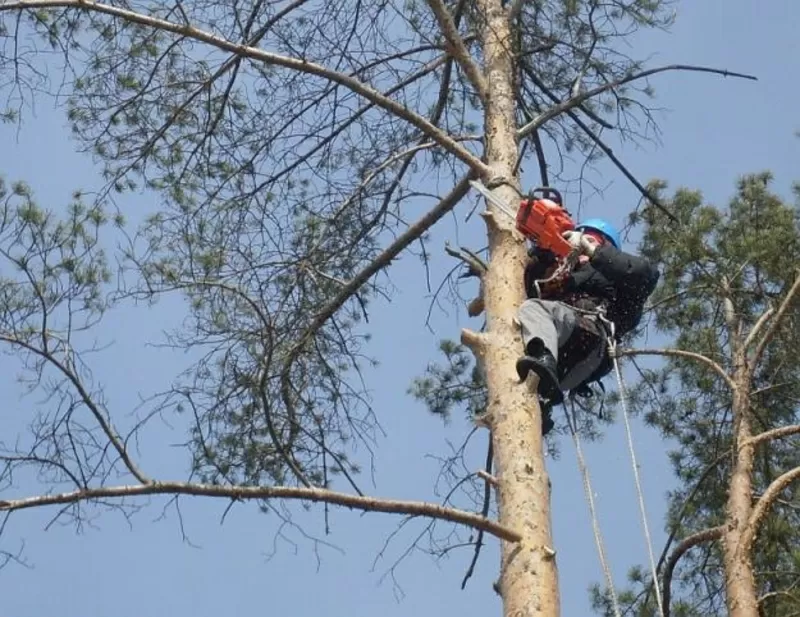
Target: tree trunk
{"points": [[528, 576], [740, 583]]}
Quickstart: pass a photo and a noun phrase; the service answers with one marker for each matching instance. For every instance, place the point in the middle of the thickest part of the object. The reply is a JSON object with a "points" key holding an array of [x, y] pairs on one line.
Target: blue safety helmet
{"points": [[603, 227]]}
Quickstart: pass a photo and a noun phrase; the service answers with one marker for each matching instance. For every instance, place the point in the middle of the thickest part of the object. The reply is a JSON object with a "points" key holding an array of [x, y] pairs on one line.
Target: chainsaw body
{"points": [[540, 219], [544, 221]]}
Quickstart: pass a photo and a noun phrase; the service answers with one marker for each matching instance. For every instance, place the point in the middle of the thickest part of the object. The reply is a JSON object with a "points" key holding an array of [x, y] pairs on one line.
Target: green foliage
{"points": [[721, 270], [279, 187], [54, 289], [457, 383]]}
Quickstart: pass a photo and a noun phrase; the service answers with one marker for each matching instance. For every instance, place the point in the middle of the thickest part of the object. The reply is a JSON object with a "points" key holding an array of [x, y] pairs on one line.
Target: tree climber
{"points": [[566, 343]]}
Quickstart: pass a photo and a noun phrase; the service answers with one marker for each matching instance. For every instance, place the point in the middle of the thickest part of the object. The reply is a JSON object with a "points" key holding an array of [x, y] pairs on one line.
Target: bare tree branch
{"points": [[776, 433], [246, 51], [680, 353], [763, 506], [756, 329], [707, 535], [778, 594], [776, 322], [447, 203], [105, 424], [457, 48], [367, 504], [487, 494], [575, 101], [477, 267]]}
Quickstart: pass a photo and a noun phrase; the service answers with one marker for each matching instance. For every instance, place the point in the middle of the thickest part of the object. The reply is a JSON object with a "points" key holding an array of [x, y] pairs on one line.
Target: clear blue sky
{"points": [[714, 129]]}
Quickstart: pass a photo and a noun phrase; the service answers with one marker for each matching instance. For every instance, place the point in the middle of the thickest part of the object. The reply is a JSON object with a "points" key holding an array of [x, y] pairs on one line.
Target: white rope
{"points": [[587, 487], [612, 348]]}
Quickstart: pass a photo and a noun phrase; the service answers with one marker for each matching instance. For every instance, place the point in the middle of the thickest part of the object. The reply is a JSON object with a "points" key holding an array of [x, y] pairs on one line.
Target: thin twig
{"points": [[105, 423], [645, 192], [270, 58], [476, 265], [487, 497]]}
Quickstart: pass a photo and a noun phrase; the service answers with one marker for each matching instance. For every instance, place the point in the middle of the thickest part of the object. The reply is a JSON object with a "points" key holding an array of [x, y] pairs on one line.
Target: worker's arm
{"points": [[634, 279], [632, 273]]}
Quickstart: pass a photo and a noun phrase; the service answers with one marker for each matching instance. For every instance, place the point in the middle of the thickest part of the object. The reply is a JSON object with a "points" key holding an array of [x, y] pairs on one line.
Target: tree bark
{"points": [[528, 576], [740, 585], [739, 579]]}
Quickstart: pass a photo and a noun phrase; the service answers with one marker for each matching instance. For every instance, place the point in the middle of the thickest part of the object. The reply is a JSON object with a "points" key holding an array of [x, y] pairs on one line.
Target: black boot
{"points": [[539, 360]]}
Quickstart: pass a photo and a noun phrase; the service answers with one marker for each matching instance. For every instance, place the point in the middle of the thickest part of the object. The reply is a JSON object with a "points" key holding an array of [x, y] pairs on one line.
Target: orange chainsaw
{"points": [[541, 220]]}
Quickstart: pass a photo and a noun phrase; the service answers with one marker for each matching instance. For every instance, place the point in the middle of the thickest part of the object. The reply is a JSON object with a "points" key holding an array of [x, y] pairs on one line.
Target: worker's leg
{"points": [[587, 365], [546, 320], [546, 325]]}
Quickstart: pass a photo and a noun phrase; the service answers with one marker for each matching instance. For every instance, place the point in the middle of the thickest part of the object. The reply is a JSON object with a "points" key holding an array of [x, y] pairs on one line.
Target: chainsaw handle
{"points": [[546, 191]]}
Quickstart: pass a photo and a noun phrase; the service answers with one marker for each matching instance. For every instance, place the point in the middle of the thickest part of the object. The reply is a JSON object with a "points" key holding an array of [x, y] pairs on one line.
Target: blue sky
{"points": [[714, 129]]}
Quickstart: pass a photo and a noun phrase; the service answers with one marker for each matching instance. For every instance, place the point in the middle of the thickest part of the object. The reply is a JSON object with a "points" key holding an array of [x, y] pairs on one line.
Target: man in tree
{"points": [[566, 342]]}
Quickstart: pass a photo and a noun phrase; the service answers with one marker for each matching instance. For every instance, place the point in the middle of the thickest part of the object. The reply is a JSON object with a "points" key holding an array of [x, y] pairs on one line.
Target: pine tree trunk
{"points": [[528, 577], [739, 578]]}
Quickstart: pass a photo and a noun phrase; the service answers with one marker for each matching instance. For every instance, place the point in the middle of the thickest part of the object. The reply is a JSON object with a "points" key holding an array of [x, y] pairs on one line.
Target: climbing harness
{"points": [[587, 488], [612, 350], [564, 267]]}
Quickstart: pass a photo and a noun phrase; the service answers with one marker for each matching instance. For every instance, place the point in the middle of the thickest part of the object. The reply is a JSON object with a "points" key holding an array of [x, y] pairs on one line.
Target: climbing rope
{"points": [[612, 350], [587, 487]]}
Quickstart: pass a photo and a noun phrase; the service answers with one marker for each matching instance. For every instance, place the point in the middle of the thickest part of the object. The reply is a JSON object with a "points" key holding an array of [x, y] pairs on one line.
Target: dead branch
{"points": [[414, 231], [474, 340], [269, 58], [487, 496], [643, 190], [105, 424], [490, 479], [573, 102], [457, 48], [680, 353], [776, 433], [763, 506], [776, 321], [367, 504], [554, 97], [707, 535], [477, 267]]}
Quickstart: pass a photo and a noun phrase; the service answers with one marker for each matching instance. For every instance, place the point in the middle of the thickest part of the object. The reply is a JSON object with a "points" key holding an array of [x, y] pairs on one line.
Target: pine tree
{"points": [[287, 142], [727, 398]]}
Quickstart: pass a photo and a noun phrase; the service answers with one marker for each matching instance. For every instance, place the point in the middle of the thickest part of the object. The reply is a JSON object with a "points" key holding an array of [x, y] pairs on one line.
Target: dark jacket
{"points": [[621, 281]]}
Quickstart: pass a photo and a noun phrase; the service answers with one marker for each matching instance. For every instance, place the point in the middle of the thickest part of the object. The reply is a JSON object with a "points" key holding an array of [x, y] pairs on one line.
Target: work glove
{"points": [[586, 245]]}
